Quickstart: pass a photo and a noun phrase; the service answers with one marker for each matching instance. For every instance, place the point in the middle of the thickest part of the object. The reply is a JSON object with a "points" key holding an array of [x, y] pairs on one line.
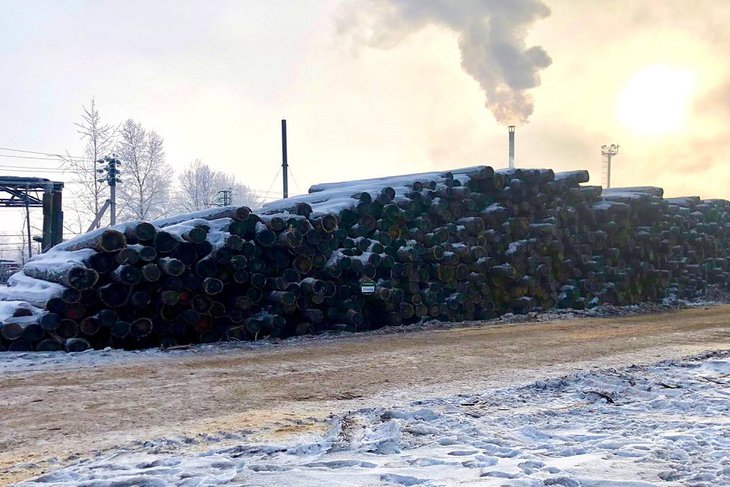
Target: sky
{"points": [[377, 87]]}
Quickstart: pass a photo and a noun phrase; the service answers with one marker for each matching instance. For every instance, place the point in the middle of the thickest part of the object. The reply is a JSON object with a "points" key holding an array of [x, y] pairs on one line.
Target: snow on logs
{"points": [[465, 244]]}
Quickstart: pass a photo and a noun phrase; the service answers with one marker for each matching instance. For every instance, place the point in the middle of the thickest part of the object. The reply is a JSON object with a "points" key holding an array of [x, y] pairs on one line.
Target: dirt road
{"points": [[56, 410]]}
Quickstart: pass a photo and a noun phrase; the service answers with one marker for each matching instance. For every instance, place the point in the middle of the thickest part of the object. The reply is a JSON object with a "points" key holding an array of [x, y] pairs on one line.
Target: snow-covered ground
{"points": [[664, 424]]}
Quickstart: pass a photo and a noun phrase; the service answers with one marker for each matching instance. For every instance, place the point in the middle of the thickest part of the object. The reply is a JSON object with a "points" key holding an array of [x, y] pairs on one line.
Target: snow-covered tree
{"points": [[99, 139], [144, 192], [195, 187], [200, 187], [241, 195]]}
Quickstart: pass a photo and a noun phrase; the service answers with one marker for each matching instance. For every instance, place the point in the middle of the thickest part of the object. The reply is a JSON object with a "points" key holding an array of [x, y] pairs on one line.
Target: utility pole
{"points": [[284, 163], [112, 193], [608, 151], [112, 178], [226, 197]]}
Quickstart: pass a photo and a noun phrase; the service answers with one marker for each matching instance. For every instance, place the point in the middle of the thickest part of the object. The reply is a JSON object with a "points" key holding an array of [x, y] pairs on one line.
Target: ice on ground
{"points": [[664, 424]]}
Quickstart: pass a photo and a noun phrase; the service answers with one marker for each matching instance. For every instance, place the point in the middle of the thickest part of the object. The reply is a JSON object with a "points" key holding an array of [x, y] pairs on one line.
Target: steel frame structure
{"points": [[30, 192]]}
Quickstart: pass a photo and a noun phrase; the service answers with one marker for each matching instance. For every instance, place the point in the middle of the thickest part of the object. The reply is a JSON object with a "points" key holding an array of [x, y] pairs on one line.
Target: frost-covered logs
{"points": [[463, 244]]}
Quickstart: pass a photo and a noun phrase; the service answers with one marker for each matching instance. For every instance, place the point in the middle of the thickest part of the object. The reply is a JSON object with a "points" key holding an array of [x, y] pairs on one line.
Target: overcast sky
{"points": [[370, 92]]}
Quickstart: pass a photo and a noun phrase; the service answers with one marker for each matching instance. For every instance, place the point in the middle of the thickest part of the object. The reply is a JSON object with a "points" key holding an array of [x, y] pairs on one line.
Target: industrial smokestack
{"points": [[511, 129]]}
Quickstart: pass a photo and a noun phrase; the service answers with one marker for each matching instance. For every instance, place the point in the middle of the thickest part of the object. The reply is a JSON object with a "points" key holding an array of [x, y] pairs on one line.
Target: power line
{"points": [[37, 152], [272, 183], [31, 171], [28, 151], [36, 168], [295, 180], [264, 194], [34, 171], [36, 158], [31, 168], [28, 166], [256, 190]]}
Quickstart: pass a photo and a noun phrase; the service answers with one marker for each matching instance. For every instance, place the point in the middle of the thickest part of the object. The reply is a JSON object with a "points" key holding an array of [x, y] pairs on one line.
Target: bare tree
{"points": [[98, 137], [10, 258], [21, 246], [201, 187], [144, 192], [195, 189], [73, 223], [10, 250]]}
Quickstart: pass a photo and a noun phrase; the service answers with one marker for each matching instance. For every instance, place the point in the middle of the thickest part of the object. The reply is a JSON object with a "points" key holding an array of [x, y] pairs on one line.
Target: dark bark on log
{"points": [[127, 274], [107, 317], [120, 329], [49, 321], [169, 297], [20, 345], [136, 232], [75, 311], [68, 273], [76, 345], [101, 240], [101, 262], [171, 266], [151, 272], [114, 295], [49, 345], [22, 327], [71, 295], [212, 286], [67, 329], [206, 267], [127, 256], [89, 326], [140, 328]]}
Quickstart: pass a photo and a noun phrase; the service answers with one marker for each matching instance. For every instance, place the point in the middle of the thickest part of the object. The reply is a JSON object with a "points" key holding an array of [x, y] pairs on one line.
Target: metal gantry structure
{"points": [[608, 151], [29, 192]]}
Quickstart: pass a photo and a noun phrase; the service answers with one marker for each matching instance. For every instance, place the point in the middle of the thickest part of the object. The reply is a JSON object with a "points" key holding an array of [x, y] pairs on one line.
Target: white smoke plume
{"points": [[491, 39]]}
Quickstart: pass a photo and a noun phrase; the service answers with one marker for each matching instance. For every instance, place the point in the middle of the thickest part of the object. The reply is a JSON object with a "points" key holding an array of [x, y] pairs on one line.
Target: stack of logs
{"points": [[459, 245]]}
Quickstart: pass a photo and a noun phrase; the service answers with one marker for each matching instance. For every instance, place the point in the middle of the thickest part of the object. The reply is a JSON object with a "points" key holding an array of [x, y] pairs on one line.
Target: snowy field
{"points": [[664, 424]]}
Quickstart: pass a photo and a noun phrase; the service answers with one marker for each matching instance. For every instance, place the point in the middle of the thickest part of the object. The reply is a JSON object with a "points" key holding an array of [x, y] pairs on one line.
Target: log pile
{"points": [[466, 244]]}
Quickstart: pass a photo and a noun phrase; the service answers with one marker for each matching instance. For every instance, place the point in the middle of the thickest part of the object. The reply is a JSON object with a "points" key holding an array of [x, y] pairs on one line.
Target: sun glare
{"points": [[656, 100]]}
